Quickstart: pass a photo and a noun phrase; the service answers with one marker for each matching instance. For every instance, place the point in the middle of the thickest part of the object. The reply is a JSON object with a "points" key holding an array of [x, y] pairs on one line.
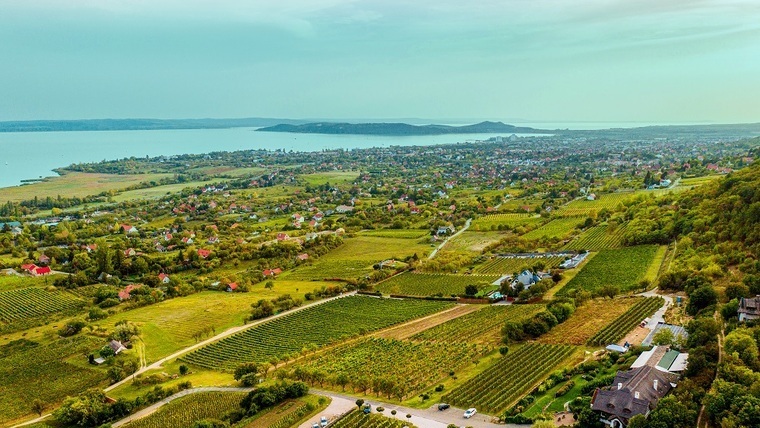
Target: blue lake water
{"points": [[28, 155]]}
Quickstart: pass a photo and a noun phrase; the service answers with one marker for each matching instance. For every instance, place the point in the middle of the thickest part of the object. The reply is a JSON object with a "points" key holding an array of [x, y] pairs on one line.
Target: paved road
{"points": [[159, 363], [466, 226], [422, 418], [152, 408]]}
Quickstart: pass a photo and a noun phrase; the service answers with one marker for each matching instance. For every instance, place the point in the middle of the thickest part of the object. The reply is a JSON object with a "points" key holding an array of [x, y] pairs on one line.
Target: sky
{"points": [[656, 61]]}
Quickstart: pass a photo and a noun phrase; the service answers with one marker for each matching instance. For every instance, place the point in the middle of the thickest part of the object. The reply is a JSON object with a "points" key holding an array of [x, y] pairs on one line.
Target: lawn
{"points": [[623, 269], [75, 184]]}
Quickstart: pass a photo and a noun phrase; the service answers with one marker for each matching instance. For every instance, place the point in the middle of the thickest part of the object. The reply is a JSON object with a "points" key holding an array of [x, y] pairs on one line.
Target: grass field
{"points": [[13, 282], [192, 314], [624, 323], [29, 371], [357, 255], [182, 412], [312, 327], [75, 184], [480, 327], [597, 238], [557, 228], [622, 269], [587, 321], [422, 284], [509, 265], [332, 177], [159, 191]]}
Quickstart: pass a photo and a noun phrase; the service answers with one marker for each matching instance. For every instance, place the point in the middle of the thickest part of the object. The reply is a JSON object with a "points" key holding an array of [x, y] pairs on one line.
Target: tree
{"points": [[471, 290], [701, 298], [359, 403], [245, 369], [183, 369], [38, 406], [89, 408], [504, 350], [269, 285], [663, 337], [342, 380]]}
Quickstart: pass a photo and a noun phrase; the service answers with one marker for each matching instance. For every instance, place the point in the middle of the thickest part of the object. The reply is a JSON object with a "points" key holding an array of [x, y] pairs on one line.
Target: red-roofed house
{"points": [[128, 229], [29, 267], [125, 293], [303, 257], [204, 253], [130, 252], [41, 270], [164, 278], [232, 286], [272, 272], [43, 259], [282, 236]]}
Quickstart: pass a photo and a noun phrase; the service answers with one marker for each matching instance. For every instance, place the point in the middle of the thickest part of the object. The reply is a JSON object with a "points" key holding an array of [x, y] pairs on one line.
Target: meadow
{"points": [[12, 282], [423, 284], [623, 269], [308, 328]]}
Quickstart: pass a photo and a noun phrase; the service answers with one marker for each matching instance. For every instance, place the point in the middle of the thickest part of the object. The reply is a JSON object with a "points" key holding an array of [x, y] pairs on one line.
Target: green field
{"points": [[311, 327], [509, 265], [411, 366], [159, 191], [557, 228], [26, 307], [398, 233], [357, 419], [495, 389], [582, 207], [332, 177], [481, 327], [622, 269], [12, 282], [29, 371], [597, 238], [182, 412], [75, 184], [423, 284], [356, 256], [497, 221]]}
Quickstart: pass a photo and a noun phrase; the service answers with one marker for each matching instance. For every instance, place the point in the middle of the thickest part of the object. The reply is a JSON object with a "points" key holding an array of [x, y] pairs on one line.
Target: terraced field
{"points": [[311, 327], [423, 284], [480, 327], [495, 389], [623, 269], [509, 265], [598, 238]]}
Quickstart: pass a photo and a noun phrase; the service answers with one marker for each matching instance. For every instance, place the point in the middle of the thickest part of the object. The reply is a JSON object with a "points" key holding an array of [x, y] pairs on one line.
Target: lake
{"points": [[28, 155]]}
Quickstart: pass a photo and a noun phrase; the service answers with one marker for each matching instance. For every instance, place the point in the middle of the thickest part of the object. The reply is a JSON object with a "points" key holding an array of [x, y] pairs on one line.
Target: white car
{"points": [[323, 421], [469, 412]]}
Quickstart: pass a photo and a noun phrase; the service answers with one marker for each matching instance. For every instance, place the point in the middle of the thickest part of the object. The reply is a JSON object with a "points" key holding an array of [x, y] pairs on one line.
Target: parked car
{"points": [[469, 412], [443, 406], [367, 409], [323, 421], [315, 426]]}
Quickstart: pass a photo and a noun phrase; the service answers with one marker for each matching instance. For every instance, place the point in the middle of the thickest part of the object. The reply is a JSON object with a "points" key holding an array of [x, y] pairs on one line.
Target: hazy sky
{"points": [[553, 60]]}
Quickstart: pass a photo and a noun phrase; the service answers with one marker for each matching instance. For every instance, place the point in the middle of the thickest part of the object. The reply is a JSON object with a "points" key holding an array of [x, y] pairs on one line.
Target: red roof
{"points": [[232, 286], [204, 253], [303, 256], [162, 276], [41, 271], [29, 267]]}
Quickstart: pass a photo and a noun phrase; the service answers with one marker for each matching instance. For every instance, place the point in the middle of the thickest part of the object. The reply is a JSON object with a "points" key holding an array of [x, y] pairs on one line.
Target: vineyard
{"points": [[18, 307], [509, 265], [357, 419], [497, 221], [29, 371], [587, 320], [623, 269], [308, 328], [422, 284], [582, 207], [398, 233], [557, 228], [482, 326], [512, 376], [618, 328], [409, 366], [182, 412], [598, 238]]}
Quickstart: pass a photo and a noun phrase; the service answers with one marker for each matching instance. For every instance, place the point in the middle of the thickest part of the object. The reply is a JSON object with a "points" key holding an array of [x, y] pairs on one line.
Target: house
{"points": [[573, 261], [204, 253], [272, 272], [125, 294], [168, 237], [591, 197], [342, 209], [302, 257], [91, 247], [43, 259], [29, 268], [129, 229], [130, 252], [213, 240], [282, 236], [634, 392], [41, 270], [232, 286], [164, 278], [749, 308], [445, 230], [187, 240], [527, 278], [116, 346]]}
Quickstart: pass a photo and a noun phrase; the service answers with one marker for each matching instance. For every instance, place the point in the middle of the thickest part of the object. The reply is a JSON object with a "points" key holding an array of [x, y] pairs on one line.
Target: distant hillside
{"points": [[137, 124], [399, 129]]}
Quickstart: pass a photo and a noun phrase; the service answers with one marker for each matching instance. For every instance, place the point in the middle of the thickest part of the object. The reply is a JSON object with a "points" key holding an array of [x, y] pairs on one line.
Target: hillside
{"points": [[399, 129]]}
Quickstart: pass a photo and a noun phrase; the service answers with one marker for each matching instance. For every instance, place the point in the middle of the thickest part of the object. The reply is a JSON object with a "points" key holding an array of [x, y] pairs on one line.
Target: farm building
{"points": [[749, 308], [574, 261], [116, 346], [232, 286], [164, 278]]}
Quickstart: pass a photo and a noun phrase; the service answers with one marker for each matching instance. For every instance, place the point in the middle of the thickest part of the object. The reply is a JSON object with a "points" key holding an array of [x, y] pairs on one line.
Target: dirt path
{"points": [[466, 226], [411, 328]]}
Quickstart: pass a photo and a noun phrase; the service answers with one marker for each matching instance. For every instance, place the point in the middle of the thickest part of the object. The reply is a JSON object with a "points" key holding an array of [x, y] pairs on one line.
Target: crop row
{"points": [[597, 238], [373, 362], [500, 221], [315, 326], [482, 326], [557, 228], [422, 284], [195, 407], [504, 265], [509, 378], [33, 302], [622, 269], [584, 206], [618, 328], [357, 419]]}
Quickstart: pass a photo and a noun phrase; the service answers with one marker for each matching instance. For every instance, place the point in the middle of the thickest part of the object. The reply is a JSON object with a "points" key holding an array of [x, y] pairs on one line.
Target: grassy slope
{"points": [[78, 184]]}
